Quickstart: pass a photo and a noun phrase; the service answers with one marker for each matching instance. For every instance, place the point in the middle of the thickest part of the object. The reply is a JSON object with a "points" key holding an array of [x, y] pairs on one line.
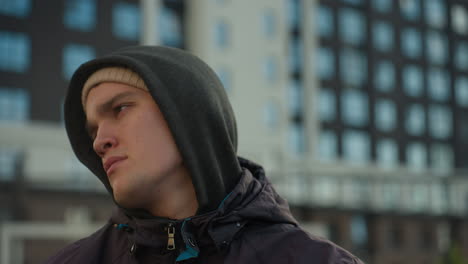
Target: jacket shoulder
{"points": [[73, 253], [286, 243]]}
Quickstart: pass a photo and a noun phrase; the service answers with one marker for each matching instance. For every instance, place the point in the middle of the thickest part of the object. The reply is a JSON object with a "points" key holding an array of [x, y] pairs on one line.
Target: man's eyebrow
{"points": [[106, 106]]}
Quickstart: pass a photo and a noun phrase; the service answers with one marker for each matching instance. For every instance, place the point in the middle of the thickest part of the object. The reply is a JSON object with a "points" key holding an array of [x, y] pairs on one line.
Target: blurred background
{"points": [[358, 109]]}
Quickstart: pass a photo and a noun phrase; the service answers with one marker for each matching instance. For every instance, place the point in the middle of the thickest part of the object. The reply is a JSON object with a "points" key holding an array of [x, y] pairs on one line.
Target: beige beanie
{"points": [[111, 74]]}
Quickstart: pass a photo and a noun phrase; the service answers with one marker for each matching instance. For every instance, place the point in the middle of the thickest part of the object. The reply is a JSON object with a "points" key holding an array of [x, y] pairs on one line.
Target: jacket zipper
{"points": [[171, 237]]}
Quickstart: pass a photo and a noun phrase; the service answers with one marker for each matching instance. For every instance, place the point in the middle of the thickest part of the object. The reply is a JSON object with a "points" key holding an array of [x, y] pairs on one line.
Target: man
{"points": [[155, 126]]}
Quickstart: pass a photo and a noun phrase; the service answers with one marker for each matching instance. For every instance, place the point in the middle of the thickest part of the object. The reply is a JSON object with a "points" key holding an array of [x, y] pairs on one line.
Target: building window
{"points": [[410, 9], [224, 76], [325, 63], [382, 6], [461, 91], [385, 76], [270, 69], [271, 115], [15, 52], [412, 80], [221, 34], [353, 2], [16, 8], [297, 138], [295, 54], [459, 16], [416, 156], [269, 23], [356, 147], [440, 121], [359, 232], [325, 21], [170, 28], [293, 13], [461, 56], [414, 123], [385, 115], [352, 26], [437, 49], [73, 56], [387, 153], [411, 43], [126, 21], [383, 36], [295, 96], [80, 14], [435, 13], [439, 84], [354, 108], [442, 157], [326, 105], [14, 105], [8, 160], [327, 146], [353, 66]]}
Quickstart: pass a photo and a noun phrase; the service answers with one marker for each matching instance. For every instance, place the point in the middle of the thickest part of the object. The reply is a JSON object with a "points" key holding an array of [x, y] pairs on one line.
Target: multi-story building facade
{"points": [[357, 108]]}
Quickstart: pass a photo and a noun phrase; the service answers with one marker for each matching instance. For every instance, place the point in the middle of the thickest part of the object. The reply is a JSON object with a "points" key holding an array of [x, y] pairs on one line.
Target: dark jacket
{"points": [[252, 225], [241, 219]]}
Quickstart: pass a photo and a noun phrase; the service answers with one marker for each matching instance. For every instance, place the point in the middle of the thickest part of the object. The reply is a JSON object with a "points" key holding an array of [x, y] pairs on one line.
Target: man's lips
{"points": [[111, 161]]}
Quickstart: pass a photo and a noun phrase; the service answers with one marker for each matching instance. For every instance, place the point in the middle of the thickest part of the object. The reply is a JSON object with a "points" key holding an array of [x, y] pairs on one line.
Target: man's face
{"points": [[134, 142]]}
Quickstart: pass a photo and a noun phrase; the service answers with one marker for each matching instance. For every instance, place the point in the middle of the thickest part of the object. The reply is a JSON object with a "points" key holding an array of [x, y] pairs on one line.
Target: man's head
{"points": [[168, 112]]}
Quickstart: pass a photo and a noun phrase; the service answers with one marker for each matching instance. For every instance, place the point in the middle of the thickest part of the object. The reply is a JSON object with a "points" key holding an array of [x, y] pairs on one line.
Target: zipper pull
{"points": [[170, 237]]}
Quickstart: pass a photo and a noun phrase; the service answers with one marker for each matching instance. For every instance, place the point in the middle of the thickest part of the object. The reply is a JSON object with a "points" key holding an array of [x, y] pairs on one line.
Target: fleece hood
{"points": [[196, 108]]}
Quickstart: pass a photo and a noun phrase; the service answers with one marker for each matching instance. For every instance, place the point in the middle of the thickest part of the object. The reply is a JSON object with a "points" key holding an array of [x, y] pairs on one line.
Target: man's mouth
{"points": [[110, 163]]}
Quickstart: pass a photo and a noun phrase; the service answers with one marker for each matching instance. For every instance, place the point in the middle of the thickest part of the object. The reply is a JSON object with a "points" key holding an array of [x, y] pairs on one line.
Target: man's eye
{"points": [[120, 108]]}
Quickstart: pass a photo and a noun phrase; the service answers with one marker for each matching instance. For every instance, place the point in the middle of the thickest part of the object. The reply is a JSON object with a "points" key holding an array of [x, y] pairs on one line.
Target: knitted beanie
{"points": [[111, 74]]}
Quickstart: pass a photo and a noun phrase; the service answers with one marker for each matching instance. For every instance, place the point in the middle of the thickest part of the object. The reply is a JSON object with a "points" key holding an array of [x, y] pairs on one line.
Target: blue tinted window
{"points": [[437, 49], [270, 69], [327, 146], [224, 76], [269, 23], [461, 91], [459, 17], [270, 115], [326, 63], [297, 138], [14, 105], [410, 9], [385, 115], [411, 43], [295, 54], [354, 108], [8, 158], [383, 36], [441, 157], [353, 67], [17, 8], [295, 96], [325, 21], [415, 120], [382, 5], [439, 84], [412, 81], [440, 121], [74, 55], [416, 156], [327, 105], [354, 2], [293, 13], [461, 56], [221, 34], [170, 29], [352, 26], [387, 153], [80, 14], [384, 76], [15, 52], [435, 12], [359, 233], [356, 146], [126, 21]]}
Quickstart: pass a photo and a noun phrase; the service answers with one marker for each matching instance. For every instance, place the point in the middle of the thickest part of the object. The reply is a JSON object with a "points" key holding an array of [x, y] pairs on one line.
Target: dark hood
{"points": [[194, 104]]}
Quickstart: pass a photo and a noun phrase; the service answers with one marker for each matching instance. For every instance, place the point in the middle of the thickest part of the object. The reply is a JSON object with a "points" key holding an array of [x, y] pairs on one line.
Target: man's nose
{"points": [[104, 141]]}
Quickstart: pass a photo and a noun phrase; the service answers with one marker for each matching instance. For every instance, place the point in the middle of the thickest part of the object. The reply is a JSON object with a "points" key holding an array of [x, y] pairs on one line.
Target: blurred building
{"points": [[357, 108]]}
